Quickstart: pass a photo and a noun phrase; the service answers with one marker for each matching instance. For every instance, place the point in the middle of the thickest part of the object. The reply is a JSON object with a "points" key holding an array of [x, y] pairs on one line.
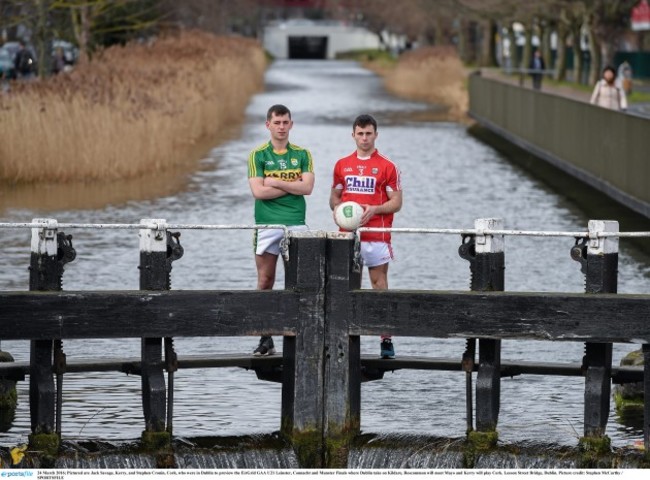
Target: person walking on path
{"points": [[58, 61], [280, 174], [624, 77], [24, 63], [606, 94], [372, 180], [537, 68]]}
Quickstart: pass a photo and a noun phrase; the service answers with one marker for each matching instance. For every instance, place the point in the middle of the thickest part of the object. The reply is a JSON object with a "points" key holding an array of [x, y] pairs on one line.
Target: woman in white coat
{"points": [[606, 94]]}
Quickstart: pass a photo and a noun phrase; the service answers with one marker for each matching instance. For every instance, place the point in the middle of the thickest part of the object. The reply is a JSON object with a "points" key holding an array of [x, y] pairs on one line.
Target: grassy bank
{"points": [[430, 74], [132, 111], [434, 75]]}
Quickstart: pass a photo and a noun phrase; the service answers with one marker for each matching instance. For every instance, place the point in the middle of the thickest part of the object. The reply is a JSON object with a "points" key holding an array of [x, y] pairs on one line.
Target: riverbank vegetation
{"points": [[137, 101], [430, 74], [132, 111]]}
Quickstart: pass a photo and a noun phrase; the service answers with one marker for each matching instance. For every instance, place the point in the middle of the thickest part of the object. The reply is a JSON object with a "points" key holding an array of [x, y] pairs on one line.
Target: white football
{"points": [[348, 215]]}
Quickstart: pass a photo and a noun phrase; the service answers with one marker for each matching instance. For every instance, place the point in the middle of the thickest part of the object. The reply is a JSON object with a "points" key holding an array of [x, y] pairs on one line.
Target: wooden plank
{"points": [[155, 274], [601, 276], [288, 385], [646, 393], [131, 365], [41, 387], [488, 385], [45, 274], [342, 415], [438, 314], [302, 416], [309, 255], [47, 315], [154, 391], [538, 316], [487, 268]]}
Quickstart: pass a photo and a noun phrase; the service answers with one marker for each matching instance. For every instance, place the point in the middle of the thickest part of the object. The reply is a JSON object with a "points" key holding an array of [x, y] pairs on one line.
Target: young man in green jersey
{"points": [[280, 174]]}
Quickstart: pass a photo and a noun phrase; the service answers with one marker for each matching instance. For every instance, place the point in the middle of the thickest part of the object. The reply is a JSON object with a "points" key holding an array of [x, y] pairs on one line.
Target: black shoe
{"points": [[387, 350], [265, 347]]}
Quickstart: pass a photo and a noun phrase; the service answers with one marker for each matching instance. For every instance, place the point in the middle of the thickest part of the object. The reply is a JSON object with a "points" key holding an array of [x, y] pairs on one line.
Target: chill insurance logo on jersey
{"points": [[360, 184]]}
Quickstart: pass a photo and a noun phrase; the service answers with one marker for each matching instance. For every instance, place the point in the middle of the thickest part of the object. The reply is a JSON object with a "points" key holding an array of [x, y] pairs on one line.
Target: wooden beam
{"points": [[155, 274], [302, 390], [646, 393], [342, 380], [47, 315], [131, 366], [438, 314], [538, 316]]}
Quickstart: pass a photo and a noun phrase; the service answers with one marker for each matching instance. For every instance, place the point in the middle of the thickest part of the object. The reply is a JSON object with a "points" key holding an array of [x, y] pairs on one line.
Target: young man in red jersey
{"points": [[373, 181]]}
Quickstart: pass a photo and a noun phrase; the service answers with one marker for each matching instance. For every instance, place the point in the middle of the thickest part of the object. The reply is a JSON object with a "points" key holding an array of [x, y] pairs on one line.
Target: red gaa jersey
{"points": [[367, 181]]}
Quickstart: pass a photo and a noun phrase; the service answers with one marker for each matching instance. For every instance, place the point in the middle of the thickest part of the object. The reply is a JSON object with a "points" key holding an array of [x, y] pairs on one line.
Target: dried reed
{"points": [[432, 74], [132, 111]]}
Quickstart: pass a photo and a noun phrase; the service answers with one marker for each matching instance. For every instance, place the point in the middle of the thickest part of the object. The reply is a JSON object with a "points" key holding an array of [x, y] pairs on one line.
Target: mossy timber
{"points": [[628, 398], [482, 441], [44, 444], [8, 394], [154, 441], [9, 399]]}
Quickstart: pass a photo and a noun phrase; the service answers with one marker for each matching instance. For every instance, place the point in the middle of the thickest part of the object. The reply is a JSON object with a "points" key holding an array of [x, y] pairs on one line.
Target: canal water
{"points": [[449, 179]]}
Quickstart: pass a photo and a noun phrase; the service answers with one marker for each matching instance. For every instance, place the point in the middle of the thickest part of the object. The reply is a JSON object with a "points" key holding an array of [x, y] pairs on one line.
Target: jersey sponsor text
{"points": [[286, 175], [358, 184]]}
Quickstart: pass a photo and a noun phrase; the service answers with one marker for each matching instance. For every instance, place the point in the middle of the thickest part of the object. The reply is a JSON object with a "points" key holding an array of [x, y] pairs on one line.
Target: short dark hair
{"points": [[279, 110], [610, 68], [363, 121]]}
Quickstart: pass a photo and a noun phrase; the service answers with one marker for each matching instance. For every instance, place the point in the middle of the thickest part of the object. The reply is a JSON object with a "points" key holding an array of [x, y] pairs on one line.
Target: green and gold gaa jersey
{"points": [[289, 166]]}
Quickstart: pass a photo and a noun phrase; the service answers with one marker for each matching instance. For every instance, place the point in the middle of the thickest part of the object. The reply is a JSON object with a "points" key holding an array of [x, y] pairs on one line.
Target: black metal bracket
{"points": [[467, 249], [171, 359], [174, 248], [579, 253], [60, 364], [65, 252]]}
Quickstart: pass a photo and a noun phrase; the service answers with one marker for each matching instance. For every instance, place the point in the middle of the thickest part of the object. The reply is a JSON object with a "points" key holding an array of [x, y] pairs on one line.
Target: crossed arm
{"points": [[269, 187]]}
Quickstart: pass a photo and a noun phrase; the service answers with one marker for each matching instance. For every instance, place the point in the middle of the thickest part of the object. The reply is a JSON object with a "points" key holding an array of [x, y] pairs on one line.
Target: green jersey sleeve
{"points": [[255, 165]]}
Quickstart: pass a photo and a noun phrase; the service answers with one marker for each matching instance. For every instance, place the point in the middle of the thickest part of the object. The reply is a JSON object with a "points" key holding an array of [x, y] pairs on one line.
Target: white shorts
{"points": [[376, 253], [267, 240]]}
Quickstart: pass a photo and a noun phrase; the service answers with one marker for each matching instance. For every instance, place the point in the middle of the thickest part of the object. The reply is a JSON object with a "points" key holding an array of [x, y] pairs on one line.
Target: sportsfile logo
{"points": [[15, 473], [359, 184]]}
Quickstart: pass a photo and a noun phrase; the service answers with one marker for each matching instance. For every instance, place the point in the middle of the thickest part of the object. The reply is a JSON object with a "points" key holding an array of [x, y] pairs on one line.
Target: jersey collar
{"points": [[373, 154], [280, 152]]}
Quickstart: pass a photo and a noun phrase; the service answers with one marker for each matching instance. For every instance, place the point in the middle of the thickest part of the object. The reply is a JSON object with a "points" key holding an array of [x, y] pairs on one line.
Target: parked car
{"points": [[12, 48], [6, 64]]}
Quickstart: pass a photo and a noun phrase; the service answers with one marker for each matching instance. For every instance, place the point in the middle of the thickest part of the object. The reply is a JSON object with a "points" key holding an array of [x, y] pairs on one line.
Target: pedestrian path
{"points": [[567, 91]]}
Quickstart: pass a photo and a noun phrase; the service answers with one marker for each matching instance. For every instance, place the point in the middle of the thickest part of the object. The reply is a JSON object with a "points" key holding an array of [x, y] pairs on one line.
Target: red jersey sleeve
{"points": [[338, 179], [393, 180]]}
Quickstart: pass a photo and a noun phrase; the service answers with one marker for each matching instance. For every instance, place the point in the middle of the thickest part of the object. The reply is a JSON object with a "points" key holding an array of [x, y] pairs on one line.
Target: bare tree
{"points": [[609, 21], [217, 16], [92, 20]]}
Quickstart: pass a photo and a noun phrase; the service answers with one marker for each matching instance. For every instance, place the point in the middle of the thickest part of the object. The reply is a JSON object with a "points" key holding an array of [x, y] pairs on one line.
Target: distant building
{"points": [[301, 38]]}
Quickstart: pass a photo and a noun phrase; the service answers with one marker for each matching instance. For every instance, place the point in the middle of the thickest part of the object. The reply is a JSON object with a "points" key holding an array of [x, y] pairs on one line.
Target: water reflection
{"points": [[449, 179]]}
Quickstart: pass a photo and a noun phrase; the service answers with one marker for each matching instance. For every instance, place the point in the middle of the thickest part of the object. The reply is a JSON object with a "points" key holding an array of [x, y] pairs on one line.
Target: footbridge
{"points": [[321, 314]]}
